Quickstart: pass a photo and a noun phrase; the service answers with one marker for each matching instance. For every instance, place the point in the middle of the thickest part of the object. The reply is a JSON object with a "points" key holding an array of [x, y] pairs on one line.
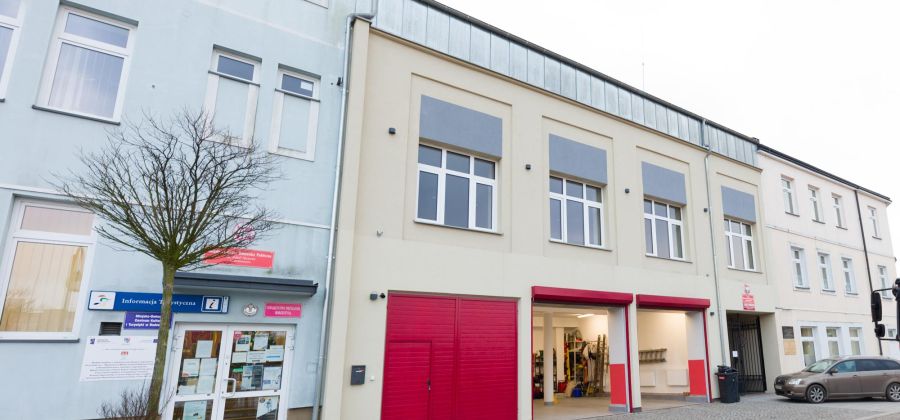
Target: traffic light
{"points": [[879, 330], [896, 290], [875, 303]]}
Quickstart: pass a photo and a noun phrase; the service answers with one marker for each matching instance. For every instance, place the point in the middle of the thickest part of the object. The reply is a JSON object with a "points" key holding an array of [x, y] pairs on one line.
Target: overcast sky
{"points": [[819, 80]]}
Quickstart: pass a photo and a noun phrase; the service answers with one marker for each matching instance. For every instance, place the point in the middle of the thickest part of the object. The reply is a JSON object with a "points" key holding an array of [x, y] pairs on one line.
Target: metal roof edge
{"points": [[779, 154], [556, 56]]}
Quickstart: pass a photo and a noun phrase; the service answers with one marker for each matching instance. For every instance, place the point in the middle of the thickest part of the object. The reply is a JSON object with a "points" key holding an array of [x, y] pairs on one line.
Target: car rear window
{"points": [[888, 365]]}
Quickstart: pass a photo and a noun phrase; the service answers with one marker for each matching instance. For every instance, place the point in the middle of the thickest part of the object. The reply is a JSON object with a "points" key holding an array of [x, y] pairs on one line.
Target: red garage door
{"points": [[449, 357]]}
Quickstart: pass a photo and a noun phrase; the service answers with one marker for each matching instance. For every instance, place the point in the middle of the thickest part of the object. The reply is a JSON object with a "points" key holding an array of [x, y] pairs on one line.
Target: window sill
{"points": [[851, 294], [293, 155], [33, 338], [876, 237], [236, 79], [668, 259], [841, 227], [598, 248], [294, 94], [818, 221], [829, 292], [792, 214], [75, 114], [742, 270], [801, 289], [431, 223]]}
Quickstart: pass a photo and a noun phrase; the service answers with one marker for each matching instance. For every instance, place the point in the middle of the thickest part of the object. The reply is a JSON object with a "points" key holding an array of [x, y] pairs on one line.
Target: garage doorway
{"points": [[579, 354]]}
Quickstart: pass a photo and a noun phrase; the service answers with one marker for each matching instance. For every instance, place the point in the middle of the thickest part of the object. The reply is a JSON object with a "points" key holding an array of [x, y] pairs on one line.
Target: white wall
{"points": [[667, 330]]}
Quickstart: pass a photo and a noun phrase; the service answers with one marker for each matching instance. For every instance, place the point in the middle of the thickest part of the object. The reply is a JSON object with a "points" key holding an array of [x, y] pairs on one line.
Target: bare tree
{"points": [[178, 190]]}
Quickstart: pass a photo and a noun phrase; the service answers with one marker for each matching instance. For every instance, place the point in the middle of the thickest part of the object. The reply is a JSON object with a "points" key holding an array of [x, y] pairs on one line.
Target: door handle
{"points": [[428, 382], [233, 382]]}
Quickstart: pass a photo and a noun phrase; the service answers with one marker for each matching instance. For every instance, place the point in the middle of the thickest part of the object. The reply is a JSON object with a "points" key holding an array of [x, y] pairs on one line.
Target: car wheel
{"points": [[816, 393], [893, 392]]}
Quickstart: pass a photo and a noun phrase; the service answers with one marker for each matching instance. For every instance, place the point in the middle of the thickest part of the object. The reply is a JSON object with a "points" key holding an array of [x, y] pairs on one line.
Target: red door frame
{"points": [[560, 295], [684, 304]]}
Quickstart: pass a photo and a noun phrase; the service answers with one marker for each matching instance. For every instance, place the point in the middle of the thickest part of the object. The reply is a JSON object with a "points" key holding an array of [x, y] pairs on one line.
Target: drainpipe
{"points": [[723, 330], [862, 232], [332, 237]]}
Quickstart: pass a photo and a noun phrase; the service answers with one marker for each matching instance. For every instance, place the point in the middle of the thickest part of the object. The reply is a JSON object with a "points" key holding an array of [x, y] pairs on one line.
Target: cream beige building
{"points": [[828, 247], [500, 203]]}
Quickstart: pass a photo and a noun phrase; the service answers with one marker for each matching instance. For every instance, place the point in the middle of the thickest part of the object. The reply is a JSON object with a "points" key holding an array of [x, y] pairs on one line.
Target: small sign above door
{"points": [[282, 310]]}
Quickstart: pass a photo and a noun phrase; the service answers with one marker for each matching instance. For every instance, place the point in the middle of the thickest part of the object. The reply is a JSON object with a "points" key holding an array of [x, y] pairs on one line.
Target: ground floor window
{"points": [[808, 344]]}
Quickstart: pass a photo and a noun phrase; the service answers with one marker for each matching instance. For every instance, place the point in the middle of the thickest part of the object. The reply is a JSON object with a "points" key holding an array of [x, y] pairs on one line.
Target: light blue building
{"points": [[271, 71]]}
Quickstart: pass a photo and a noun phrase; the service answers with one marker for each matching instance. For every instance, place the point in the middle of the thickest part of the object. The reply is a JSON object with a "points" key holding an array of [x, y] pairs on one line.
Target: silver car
{"points": [[843, 377]]}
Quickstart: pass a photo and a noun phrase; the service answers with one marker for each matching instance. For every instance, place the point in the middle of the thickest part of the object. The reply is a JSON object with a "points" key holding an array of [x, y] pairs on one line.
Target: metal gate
{"points": [[745, 340]]}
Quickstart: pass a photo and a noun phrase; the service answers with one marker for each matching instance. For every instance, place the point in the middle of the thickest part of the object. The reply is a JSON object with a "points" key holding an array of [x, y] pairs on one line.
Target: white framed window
{"points": [[837, 203], [808, 345], [855, 334], [891, 333], [873, 220], [10, 23], [295, 115], [849, 278], [799, 267], [456, 190], [576, 212], [814, 203], [663, 230], [824, 262], [885, 283], [787, 191], [833, 341], [46, 260], [739, 245], [87, 65], [232, 91]]}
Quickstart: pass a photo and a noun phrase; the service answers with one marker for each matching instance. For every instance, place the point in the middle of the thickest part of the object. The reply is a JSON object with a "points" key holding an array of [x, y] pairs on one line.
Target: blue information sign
{"points": [[141, 321], [151, 302]]}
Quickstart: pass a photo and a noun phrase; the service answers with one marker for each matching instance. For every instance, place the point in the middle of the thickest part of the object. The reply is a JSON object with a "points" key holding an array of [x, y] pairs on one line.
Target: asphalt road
{"points": [[770, 406]]}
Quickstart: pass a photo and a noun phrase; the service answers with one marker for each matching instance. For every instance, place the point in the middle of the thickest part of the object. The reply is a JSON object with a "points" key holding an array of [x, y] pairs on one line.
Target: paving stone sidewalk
{"points": [[773, 407]]}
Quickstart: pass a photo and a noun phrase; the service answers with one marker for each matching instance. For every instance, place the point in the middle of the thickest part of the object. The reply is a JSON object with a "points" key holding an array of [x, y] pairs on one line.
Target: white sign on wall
{"points": [[115, 358]]}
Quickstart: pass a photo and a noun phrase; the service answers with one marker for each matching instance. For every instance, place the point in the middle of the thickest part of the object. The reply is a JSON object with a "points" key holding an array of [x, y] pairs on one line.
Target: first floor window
{"points": [[808, 345], [88, 61], [663, 230], [787, 191], [43, 268], [295, 115], [873, 220], [825, 271], [883, 277], [855, 341], [833, 338], [10, 22], [814, 202], [798, 267], [576, 212], [739, 245], [849, 279], [456, 189], [838, 206], [232, 90]]}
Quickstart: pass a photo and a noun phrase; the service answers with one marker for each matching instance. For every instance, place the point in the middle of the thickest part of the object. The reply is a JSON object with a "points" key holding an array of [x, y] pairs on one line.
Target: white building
{"points": [[829, 246]]}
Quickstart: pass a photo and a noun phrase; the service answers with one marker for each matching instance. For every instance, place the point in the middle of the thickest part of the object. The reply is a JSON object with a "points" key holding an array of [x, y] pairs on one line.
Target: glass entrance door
{"points": [[235, 372]]}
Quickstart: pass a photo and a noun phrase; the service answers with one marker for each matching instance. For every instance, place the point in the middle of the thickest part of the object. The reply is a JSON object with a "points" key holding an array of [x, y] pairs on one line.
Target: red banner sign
{"points": [[282, 310], [747, 299], [241, 257]]}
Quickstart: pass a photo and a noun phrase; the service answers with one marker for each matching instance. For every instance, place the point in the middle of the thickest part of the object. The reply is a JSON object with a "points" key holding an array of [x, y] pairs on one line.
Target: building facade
{"points": [[270, 72], [829, 246], [496, 198]]}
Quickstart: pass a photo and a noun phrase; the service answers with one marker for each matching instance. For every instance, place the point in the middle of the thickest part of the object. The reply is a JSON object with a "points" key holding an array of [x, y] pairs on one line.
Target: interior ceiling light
{"points": [[584, 315]]}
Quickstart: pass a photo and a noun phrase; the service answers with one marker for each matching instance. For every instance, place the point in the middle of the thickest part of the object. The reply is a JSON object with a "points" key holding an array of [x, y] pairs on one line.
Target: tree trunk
{"points": [[162, 342]]}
